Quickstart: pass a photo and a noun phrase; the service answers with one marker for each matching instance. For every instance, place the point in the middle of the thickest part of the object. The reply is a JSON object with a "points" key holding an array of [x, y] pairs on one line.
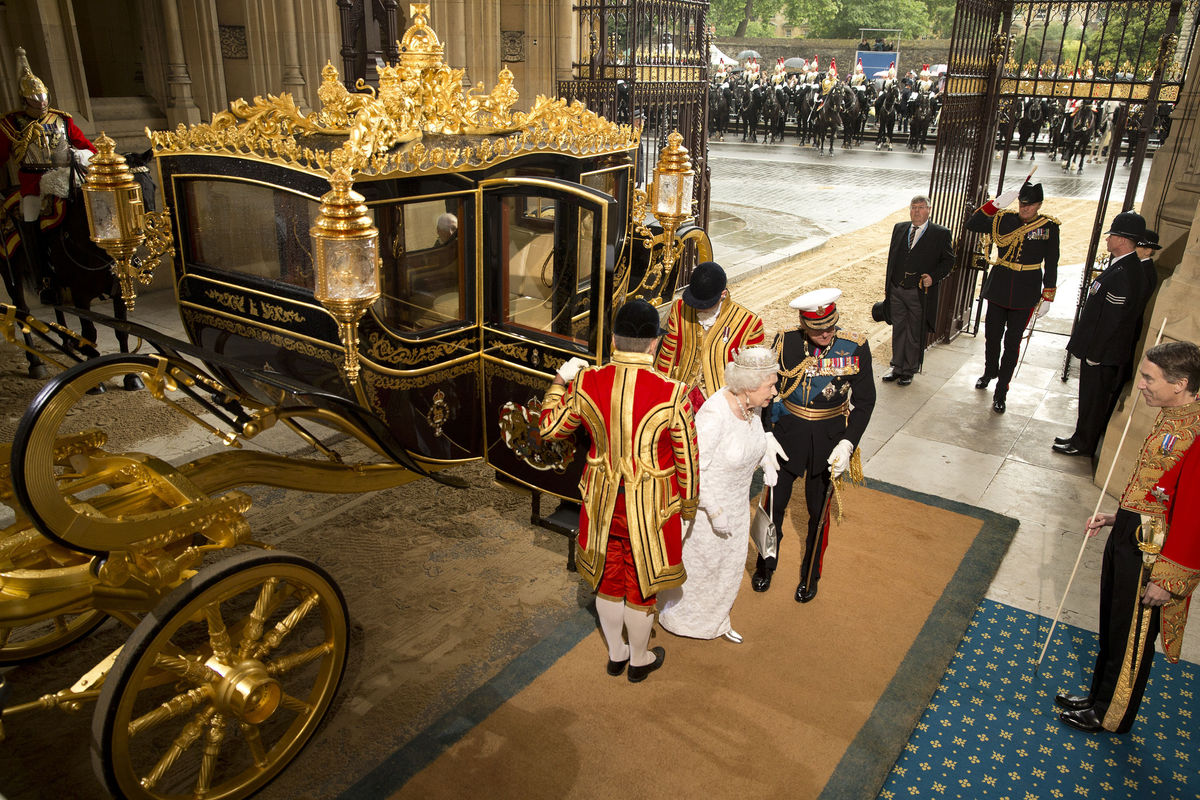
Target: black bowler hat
{"points": [[1129, 224], [637, 319], [1030, 193], [1150, 239], [704, 291]]}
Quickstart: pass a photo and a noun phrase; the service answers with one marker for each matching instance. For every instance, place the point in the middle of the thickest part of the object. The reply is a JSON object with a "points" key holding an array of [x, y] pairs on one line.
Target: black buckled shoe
{"points": [[1073, 702], [760, 581], [1083, 719], [638, 674]]}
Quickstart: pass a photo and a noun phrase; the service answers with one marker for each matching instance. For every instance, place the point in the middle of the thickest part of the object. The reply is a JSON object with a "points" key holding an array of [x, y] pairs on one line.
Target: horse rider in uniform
{"points": [[722, 73], [753, 70], [640, 485], [858, 79], [704, 329], [780, 72], [1021, 281], [44, 143], [826, 395]]}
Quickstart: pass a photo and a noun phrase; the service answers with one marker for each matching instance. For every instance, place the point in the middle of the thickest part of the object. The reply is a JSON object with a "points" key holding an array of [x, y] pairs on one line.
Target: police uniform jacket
{"points": [[1111, 318], [697, 357], [1026, 266], [815, 386], [931, 255], [643, 444]]}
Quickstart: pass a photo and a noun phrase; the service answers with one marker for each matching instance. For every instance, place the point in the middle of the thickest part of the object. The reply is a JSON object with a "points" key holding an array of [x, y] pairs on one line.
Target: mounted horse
{"points": [[774, 113], [1081, 128], [1033, 116], [853, 116], [720, 96], [750, 111], [807, 96], [922, 116], [885, 115], [827, 119]]}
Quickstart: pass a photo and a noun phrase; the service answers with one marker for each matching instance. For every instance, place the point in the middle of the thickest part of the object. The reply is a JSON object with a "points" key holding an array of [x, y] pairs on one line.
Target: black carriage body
{"points": [[457, 352]]}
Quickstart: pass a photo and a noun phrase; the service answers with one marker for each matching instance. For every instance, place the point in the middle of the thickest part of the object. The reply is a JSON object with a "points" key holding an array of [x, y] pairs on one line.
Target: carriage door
{"points": [[547, 257]]}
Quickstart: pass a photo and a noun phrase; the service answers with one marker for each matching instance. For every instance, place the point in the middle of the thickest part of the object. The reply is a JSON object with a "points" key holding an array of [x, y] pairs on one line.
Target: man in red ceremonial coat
{"points": [[45, 143], [703, 331], [640, 483], [1152, 557]]}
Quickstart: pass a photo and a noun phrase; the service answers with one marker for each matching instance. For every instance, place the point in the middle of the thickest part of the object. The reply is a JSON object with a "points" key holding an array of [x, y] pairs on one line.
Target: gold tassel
{"points": [[855, 473]]}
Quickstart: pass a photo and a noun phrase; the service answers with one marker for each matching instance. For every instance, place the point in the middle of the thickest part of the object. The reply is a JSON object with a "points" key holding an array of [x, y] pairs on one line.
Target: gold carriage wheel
{"points": [[20, 643], [221, 686]]}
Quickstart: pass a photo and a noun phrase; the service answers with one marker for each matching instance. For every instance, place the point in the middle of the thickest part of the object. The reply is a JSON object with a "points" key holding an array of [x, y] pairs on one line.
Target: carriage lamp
{"points": [[671, 194], [346, 252], [115, 214]]}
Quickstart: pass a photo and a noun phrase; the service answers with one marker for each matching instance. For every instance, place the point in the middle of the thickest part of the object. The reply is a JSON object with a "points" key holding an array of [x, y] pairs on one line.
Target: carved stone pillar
{"points": [[181, 107], [293, 78]]}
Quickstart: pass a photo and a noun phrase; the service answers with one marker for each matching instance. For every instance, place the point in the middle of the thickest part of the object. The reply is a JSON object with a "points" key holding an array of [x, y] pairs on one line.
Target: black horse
{"points": [[806, 104], [1081, 128], [922, 115], [719, 97], [885, 115], [1033, 116], [751, 112], [853, 113], [827, 119], [774, 113], [82, 274]]}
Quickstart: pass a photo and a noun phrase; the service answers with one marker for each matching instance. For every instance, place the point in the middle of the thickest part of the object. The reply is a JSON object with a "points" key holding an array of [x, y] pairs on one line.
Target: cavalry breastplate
{"points": [[48, 144]]}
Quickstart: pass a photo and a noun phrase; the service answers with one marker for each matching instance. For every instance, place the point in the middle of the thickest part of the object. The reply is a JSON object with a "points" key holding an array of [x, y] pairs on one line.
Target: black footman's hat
{"points": [[707, 284], [1030, 193], [637, 319]]}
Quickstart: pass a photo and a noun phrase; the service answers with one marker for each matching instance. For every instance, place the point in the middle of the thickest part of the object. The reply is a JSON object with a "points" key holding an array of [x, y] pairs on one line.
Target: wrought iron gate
{"points": [[646, 62], [1085, 51]]}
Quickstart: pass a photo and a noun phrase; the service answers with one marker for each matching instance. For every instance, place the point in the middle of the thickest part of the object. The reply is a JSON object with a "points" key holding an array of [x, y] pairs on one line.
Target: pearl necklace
{"points": [[742, 408]]}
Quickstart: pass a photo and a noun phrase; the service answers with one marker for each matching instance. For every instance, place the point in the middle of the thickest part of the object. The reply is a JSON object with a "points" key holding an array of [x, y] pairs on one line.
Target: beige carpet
{"points": [[771, 717]]}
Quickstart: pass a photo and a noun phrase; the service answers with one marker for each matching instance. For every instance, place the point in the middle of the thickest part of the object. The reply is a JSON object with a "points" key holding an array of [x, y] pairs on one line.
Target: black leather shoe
{"points": [[807, 590], [904, 380], [1082, 719], [1063, 439], [998, 405], [983, 381], [892, 375], [1073, 702], [761, 580], [638, 674], [1069, 450], [615, 668]]}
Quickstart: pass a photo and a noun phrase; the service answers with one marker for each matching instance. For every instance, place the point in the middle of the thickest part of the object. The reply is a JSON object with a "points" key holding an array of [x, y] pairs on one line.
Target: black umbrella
{"points": [[793, 63], [748, 54]]}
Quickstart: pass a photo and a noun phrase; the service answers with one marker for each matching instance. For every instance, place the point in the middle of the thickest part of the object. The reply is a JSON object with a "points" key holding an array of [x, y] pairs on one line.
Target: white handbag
{"points": [[762, 531]]}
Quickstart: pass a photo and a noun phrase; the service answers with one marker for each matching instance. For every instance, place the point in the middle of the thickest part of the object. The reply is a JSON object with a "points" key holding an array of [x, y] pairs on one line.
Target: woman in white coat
{"points": [[732, 444]]}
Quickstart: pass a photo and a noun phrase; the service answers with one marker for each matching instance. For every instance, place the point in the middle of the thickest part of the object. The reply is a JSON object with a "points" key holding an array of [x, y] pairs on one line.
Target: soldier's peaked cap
{"points": [[1129, 224], [707, 284], [637, 319], [818, 308], [1030, 193]]}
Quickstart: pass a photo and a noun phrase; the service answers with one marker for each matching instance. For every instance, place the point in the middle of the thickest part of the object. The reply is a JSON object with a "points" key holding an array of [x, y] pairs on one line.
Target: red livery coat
{"points": [[1177, 568], [697, 357], [644, 443]]}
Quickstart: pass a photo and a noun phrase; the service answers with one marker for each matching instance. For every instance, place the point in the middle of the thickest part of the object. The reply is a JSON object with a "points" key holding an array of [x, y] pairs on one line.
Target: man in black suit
{"points": [[1022, 279], [919, 257], [1106, 334]]}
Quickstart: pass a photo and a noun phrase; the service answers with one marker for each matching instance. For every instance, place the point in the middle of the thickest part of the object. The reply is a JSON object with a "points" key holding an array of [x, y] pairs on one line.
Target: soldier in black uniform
{"points": [[1106, 334], [827, 393], [1021, 280]]}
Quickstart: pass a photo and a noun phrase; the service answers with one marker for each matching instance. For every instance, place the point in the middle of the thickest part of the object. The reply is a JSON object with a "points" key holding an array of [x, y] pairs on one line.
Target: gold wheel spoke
{"points": [[286, 625], [218, 636], [295, 704], [213, 739], [254, 741], [254, 624], [177, 705], [284, 664], [186, 738], [188, 670], [4, 634], [60, 624]]}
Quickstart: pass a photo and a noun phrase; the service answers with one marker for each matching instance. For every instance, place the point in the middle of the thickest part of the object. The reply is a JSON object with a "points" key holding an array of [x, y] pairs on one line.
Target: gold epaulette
{"points": [[853, 336], [57, 111], [1049, 218]]}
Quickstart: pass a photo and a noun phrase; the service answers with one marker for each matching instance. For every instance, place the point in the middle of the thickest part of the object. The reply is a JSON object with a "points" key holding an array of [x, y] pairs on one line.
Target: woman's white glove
{"points": [[839, 459], [719, 522], [770, 460], [571, 368]]}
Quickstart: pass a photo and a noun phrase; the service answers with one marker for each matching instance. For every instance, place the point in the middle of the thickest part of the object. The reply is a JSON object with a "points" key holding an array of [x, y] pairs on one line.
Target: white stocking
{"points": [[612, 621], [638, 624]]}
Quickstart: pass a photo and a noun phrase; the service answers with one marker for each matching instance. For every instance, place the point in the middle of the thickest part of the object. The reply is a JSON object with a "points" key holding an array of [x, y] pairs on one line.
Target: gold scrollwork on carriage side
{"points": [[514, 351], [259, 334], [276, 313], [400, 382], [160, 241], [383, 348], [229, 300]]}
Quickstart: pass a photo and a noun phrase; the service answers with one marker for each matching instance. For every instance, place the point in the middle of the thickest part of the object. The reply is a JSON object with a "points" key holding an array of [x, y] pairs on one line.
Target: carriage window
{"points": [[249, 229], [423, 263], [542, 290]]}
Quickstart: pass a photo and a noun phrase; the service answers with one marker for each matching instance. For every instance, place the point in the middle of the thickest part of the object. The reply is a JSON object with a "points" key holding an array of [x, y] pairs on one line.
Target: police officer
{"points": [[826, 393], [1022, 279]]}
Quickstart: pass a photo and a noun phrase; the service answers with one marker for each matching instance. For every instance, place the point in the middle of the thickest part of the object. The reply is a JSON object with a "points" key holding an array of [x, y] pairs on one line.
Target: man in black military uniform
{"points": [[1106, 334], [827, 393], [1022, 279]]}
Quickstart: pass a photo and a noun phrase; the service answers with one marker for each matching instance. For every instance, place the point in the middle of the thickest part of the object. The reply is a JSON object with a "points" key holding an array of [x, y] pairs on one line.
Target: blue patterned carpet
{"points": [[992, 731]]}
